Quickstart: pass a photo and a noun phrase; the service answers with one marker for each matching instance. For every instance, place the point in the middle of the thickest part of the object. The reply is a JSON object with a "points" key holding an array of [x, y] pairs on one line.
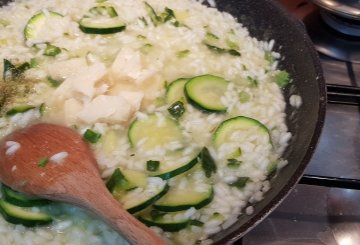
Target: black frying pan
{"points": [[265, 21]]}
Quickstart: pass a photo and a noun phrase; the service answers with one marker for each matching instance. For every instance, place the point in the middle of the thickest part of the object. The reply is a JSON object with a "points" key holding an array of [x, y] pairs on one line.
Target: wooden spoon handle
{"points": [[122, 221]]}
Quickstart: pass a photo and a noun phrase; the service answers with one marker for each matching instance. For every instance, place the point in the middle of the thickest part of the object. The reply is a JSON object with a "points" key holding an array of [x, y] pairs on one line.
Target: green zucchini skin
{"points": [[237, 123], [148, 202], [174, 208], [18, 215], [101, 31], [166, 226], [20, 199], [175, 172], [35, 20]]}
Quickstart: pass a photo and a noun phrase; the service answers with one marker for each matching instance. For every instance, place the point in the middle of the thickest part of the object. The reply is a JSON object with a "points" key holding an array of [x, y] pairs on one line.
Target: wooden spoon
{"points": [[74, 180]]}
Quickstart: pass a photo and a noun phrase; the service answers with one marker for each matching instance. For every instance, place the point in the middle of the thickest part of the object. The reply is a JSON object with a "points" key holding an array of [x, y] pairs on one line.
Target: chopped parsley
{"points": [[91, 136], [207, 162], [152, 166], [177, 109], [43, 162]]}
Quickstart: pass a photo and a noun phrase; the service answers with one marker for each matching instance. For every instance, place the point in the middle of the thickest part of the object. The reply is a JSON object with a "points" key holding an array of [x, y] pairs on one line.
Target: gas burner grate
{"points": [[336, 94]]}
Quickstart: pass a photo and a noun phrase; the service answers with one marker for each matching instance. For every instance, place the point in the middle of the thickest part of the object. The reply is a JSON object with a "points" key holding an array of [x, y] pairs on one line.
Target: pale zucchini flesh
{"points": [[240, 123], [205, 92], [154, 131]]}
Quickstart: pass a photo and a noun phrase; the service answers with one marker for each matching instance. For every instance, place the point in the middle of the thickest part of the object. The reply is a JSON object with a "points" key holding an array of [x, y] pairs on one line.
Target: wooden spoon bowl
{"points": [[74, 178]]}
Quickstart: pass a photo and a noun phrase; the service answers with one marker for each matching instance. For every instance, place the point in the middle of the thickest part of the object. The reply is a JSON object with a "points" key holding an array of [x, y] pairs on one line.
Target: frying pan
{"points": [[266, 20]]}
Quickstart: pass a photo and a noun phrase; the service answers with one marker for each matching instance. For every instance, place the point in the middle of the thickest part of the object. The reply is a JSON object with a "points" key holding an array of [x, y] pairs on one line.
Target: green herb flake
{"points": [[282, 78], [146, 48], [195, 222], [12, 72], [235, 154], [152, 14], [8, 70], [116, 179], [211, 36], [91, 136], [53, 82], [106, 11], [51, 50], [244, 97], [101, 1], [168, 15], [34, 63], [19, 109], [141, 37], [217, 216], [42, 109], [253, 81], [231, 44], [219, 50], [43, 162], [207, 162], [143, 20], [233, 163], [19, 71], [269, 57], [183, 53], [234, 52], [152, 166], [177, 109], [240, 182], [216, 49]]}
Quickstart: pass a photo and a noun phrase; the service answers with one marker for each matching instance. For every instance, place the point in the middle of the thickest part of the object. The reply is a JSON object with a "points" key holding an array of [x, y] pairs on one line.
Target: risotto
{"points": [[182, 107]]}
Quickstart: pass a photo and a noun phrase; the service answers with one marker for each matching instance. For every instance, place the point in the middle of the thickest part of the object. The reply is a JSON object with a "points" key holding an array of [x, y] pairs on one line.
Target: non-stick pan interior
{"points": [[265, 21]]}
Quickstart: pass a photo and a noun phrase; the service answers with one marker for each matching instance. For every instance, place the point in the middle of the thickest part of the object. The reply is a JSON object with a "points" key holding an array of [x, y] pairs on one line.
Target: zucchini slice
{"points": [[154, 131], [101, 25], [36, 23], [20, 199], [140, 198], [183, 198], [175, 91], [167, 222], [205, 92], [102, 19], [18, 215], [228, 127]]}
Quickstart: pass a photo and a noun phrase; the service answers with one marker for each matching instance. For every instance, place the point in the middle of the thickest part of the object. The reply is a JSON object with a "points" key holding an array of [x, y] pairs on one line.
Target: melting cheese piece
{"points": [[128, 73], [64, 69], [111, 109], [128, 66], [71, 108], [81, 85]]}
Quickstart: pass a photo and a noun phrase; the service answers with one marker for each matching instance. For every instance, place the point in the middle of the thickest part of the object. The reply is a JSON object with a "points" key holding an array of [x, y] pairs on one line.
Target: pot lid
{"points": [[345, 8]]}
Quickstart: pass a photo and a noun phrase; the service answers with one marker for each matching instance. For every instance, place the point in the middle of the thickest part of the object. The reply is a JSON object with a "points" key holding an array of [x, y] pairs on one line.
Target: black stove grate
{"points": [[336, 94]]}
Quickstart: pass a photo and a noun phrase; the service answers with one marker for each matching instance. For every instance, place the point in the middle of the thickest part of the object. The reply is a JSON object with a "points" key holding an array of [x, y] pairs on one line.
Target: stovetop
{"points": [[314, 214]]}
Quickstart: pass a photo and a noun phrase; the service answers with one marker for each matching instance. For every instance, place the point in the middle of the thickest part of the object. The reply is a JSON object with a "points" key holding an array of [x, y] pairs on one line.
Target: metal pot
{"points": [[266, 20]]}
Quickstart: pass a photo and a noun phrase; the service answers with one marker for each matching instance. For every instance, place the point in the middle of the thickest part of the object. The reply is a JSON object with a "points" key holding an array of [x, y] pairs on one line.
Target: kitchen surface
{"points": [[315, 214]]}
